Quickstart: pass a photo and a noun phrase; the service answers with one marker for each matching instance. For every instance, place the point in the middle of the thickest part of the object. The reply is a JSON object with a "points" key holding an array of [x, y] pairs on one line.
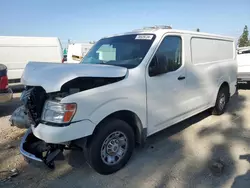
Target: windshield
{"points": [[125, 51]]}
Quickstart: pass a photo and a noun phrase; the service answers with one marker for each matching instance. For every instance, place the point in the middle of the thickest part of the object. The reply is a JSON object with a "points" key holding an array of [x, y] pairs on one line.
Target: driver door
{"points": [[166, 92]]}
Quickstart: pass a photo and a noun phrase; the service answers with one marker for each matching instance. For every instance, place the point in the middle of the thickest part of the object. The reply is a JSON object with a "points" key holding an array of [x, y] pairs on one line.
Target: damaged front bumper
{"points": [[37, 152], [27, 155]]}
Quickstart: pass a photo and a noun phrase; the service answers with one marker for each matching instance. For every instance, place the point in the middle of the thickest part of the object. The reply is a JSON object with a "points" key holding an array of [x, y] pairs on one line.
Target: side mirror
{"points": [[158, 65]]}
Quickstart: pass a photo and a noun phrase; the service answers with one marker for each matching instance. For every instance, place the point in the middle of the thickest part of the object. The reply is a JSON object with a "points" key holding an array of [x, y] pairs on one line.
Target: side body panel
{"points": [[167, 98], [96, 104], [203, 80], [213, 62]]}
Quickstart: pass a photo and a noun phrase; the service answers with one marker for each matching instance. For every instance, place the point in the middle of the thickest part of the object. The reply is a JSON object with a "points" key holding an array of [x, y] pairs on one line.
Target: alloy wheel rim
{"points": [[222, 101], [114, 148]]}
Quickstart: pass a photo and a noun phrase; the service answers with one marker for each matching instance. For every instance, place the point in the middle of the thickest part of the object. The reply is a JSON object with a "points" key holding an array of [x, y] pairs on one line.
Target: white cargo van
{"points": [[243, 59], [16, 52], [128, 87]]}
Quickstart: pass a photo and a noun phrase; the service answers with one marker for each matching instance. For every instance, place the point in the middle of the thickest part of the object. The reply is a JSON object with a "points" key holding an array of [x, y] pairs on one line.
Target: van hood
{"points": [[51, 76]]}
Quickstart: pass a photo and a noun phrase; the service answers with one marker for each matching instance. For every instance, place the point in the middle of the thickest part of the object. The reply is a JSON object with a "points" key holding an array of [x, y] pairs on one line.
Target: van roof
{"points": [[161, 31], [27, 41]]}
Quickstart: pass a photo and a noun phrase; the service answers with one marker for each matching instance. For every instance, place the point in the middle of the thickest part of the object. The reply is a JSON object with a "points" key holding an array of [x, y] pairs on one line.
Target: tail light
{"points": [[62, 60], [3, 83]]}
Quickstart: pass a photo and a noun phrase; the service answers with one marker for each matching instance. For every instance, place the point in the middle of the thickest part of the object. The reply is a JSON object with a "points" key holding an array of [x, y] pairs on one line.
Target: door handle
{"points": [[181, 77]]}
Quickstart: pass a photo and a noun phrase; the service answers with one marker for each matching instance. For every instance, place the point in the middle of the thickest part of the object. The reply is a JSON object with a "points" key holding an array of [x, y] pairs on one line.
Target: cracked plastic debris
{"points": [[19, 118]]}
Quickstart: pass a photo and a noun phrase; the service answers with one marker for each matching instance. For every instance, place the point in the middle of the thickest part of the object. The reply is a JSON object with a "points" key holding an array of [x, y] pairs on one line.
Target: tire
{"points": [[107, 134], [220, 106]]}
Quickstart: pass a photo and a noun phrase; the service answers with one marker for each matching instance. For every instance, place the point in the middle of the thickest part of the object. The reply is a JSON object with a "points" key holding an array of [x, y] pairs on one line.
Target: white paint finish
{"points": [[196, 96], [213, 62], [62, 73], [166, 98], [158, 101], [211, 50], [171, 101], [161, 32], [201, 87], [128, 94], [16, 52], [244, 69], [228, 69], [243, 63], [203, 84], [57, 135]]}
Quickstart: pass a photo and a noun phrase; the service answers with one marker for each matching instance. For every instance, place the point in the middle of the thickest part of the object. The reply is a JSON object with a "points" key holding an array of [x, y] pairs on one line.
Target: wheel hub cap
{"points": [[222, 101], [114, 148]]}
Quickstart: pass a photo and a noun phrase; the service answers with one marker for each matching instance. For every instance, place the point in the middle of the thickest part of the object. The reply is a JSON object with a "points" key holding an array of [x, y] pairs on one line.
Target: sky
{"points": [[90, 20]]}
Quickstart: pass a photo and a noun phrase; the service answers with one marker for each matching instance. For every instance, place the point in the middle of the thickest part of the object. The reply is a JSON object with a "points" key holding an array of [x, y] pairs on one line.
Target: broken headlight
{"points": [[56, 112]]}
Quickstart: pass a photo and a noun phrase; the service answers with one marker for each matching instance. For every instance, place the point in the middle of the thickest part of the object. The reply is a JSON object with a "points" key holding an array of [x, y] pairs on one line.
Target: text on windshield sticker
{"points": [[144, 37]]}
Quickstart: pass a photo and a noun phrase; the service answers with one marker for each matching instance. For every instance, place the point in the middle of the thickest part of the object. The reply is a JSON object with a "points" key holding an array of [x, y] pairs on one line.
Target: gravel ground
{"points": [[185, 155]]}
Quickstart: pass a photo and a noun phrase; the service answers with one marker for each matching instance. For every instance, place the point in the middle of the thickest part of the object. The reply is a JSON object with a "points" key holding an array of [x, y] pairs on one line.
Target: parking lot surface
{"points": [[203, 151]]}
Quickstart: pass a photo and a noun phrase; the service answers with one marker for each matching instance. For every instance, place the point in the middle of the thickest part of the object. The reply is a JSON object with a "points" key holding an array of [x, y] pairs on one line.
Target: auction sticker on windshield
{"points": [[144, 37]]}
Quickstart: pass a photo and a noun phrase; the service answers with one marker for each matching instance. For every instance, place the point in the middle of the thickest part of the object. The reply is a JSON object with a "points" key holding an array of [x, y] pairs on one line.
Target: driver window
{"points": [[170, 51]]}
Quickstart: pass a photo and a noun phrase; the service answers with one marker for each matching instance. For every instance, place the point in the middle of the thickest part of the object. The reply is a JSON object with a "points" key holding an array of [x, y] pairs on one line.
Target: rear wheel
{"points": [[111, 146], [221, 101]]}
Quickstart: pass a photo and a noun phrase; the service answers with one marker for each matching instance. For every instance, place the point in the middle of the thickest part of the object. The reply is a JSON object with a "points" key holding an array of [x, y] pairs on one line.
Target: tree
{"points": [[243, 40], [198, 29]]}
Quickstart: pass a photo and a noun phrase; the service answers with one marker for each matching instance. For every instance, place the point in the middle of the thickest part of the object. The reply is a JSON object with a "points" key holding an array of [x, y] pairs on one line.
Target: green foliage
{"points": [[243, 40]]}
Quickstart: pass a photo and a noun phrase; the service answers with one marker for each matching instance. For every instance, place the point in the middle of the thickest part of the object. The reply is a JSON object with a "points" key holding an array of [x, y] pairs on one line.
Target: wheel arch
{"points": [[226, 85], [223, 84], [132, 119]]}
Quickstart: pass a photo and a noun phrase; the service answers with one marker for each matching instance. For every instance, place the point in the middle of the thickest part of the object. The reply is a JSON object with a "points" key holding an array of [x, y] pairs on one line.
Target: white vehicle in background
{"points": [[16, 52], [243, 59], [128, 87], [77, 51]]}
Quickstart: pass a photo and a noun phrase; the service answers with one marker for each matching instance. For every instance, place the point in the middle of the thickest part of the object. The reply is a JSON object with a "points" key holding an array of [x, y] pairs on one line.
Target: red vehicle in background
{"points": [[5, 92]]}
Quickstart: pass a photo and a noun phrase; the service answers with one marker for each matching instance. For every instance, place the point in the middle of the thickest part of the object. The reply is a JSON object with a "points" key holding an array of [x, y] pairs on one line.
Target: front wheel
{"points": [[221, 101], [111, 146]]}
